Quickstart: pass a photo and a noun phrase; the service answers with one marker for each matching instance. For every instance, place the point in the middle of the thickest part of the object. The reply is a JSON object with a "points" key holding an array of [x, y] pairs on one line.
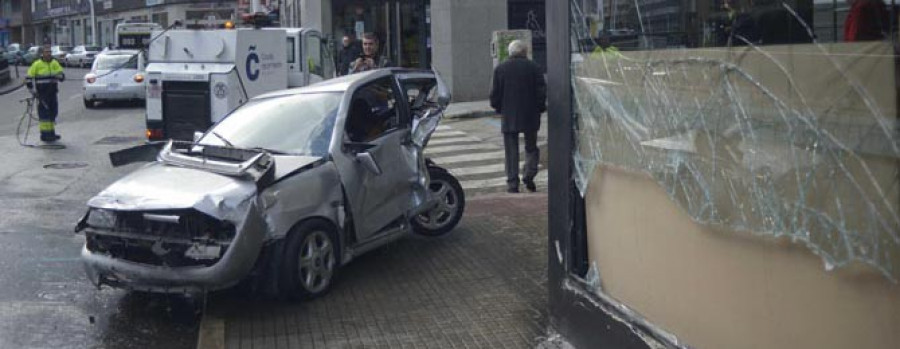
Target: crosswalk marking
{"points": [[540, 179], [449, 134], [494, 155], [480, 166], [445, 141], [452, 148]]}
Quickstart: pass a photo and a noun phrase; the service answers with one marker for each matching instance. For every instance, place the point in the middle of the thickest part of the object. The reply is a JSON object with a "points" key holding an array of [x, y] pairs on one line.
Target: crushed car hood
{"points": [[157, 186]]}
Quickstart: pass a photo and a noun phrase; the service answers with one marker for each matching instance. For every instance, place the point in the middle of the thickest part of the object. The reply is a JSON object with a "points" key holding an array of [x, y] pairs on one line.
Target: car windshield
{"points": [[65, 48], [92, 48], [109, 62], [296, 124]]}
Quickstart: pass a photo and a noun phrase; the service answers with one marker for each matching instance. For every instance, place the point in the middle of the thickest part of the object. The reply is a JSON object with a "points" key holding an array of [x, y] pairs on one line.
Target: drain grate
{"points": [[65, 165], [118, 140]]}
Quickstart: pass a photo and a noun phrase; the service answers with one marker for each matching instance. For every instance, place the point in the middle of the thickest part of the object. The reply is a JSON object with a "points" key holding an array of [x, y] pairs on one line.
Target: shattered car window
{"points": [[767, 117], [294, 124]]}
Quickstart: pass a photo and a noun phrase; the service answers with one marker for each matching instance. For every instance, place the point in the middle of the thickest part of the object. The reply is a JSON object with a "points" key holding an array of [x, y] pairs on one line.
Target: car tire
{"points": [[89, 104], [446, 215], [311, 260]]}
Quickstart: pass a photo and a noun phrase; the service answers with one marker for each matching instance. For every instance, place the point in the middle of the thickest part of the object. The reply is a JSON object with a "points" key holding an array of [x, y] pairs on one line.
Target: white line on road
{"points": [[540, 179], [452, 141], [449, 134], [494, 155], [450, 148]]}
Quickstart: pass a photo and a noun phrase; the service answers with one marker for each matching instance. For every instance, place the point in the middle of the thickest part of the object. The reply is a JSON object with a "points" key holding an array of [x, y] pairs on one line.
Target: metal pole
{"points": [[834, 19], [93, 24]]}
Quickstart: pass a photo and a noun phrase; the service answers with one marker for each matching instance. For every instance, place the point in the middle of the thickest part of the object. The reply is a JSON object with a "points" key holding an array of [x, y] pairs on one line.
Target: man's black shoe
{"points": [[512, 190], [529, 184], [51, 138]]}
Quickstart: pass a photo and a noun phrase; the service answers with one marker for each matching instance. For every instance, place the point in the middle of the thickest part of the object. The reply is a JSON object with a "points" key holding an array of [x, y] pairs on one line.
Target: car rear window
{"points": [[109, 62]]}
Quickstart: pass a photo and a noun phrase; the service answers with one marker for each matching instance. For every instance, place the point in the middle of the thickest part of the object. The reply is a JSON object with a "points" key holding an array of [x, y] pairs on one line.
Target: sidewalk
{"points": [[482, 286]]}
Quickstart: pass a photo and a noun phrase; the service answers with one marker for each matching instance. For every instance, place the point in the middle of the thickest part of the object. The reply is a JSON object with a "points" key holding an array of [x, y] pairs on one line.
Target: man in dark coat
{"points": [[350, 51], [519, 94]]}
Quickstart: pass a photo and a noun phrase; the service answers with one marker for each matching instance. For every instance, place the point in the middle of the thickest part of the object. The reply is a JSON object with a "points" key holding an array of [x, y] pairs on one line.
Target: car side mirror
{"points": [[197, 136], [368, 162]]}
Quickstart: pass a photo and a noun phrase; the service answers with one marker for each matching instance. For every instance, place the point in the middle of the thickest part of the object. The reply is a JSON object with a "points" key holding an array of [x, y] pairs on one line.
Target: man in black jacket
{"points": [[519, 94], [350, 50]]}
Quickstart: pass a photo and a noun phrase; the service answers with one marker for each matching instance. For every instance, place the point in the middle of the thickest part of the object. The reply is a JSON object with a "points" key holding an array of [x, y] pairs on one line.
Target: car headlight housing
{"points": [[101, 218]]}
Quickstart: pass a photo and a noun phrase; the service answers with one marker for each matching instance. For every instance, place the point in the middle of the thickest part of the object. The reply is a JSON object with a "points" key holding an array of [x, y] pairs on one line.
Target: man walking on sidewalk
{"points": [[519, 94]]}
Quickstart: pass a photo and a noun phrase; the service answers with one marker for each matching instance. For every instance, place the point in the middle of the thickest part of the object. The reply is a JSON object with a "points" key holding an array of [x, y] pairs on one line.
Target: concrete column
{"points": [[316, 14], [461, 44]]}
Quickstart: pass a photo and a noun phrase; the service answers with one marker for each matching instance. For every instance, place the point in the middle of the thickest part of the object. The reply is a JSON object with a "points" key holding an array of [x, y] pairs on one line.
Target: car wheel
{"points": [[311, 260], [89, 104], [451, 202]]}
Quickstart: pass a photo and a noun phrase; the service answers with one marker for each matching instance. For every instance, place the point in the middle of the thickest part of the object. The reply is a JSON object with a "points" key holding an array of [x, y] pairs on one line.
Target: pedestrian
{"points": [[42, 79], [350, 51], [369, 59], [519, 94]]}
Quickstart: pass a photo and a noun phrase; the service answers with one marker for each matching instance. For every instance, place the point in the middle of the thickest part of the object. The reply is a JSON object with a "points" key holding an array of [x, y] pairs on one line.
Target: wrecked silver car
{"points": [[283, 191]]}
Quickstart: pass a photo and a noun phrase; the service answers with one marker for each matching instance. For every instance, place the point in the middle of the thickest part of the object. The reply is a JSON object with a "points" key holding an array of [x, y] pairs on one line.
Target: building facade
{"points": [[68, 22], [453, 36]]}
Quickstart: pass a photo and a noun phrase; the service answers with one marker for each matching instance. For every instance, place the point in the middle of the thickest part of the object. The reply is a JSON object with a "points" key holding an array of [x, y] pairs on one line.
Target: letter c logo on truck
{"points": [[252, 74]]}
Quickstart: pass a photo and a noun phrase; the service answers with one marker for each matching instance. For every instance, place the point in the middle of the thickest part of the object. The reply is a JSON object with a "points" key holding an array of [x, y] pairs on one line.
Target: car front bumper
{"points": [[231, 268]]}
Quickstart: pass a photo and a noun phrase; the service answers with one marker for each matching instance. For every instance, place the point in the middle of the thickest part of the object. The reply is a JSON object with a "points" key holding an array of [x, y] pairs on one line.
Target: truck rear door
{"points": [[318, 63]]}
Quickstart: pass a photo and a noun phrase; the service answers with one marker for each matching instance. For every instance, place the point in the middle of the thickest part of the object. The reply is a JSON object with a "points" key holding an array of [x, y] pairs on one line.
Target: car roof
{"points": [[346, 82]]}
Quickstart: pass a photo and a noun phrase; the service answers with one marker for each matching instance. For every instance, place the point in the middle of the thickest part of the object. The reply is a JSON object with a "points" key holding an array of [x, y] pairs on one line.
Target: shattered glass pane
{"points": [[797, 140]]}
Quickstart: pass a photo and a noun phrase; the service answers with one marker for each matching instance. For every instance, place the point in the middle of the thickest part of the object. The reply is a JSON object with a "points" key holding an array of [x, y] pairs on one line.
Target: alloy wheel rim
{"points": [[316, 261], [446, 207]]}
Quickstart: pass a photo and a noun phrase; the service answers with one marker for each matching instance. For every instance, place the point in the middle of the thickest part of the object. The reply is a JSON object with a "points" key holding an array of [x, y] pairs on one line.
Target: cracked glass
{"points": [[776, 118]]}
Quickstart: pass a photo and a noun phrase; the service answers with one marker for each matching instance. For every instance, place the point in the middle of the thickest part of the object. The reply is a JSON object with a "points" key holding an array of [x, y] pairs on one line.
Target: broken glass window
{"points": [[754, 116]]}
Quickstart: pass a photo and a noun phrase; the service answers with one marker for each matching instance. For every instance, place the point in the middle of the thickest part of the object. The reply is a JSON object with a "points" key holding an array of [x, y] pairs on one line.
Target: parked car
{"points": [[14, 53], [59, 52], [115, 75], [287, 189], [81, 56], [30, 56]]}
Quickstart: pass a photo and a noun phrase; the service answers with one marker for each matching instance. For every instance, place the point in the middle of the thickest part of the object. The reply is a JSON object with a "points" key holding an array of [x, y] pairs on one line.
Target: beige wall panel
{"points": [[716, 289]]}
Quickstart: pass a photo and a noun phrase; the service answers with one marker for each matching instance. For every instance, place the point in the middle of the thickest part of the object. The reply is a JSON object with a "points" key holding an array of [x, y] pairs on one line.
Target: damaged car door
{"points": [[376, 171]]}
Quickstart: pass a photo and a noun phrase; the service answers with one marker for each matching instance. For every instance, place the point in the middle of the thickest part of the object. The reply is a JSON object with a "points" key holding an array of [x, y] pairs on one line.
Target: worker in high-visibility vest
{"points": [[605, 49], [43, 76]]}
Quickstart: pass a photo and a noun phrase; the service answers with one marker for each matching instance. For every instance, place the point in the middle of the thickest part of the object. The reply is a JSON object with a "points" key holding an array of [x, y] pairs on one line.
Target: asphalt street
{"points": [[45, 299]]}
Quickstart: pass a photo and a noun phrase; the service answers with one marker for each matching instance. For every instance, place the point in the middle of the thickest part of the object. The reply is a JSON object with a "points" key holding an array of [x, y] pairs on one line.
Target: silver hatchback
{"points": [[281, 193], [115, 75]]}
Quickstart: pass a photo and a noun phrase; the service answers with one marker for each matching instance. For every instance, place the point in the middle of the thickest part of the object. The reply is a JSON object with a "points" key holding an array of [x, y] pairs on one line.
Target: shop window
{"points": [[662, 24]]}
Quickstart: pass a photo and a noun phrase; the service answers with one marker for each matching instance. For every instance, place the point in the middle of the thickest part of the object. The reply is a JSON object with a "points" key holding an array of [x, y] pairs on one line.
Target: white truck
{"points": [[196, 77]]}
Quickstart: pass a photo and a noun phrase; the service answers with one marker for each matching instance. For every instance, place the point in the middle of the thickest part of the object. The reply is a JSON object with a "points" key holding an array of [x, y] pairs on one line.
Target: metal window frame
{"points": [[576, 315]]}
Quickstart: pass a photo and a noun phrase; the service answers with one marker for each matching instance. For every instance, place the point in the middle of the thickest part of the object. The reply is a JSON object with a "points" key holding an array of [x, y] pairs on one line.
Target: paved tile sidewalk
{"points": [[482, 286]]}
